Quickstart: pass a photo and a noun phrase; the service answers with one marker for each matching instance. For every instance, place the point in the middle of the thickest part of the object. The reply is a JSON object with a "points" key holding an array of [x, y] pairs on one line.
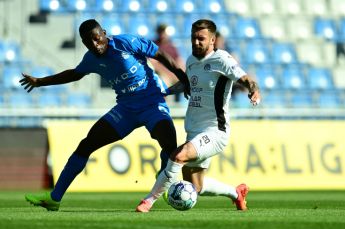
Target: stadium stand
{"points": [[290, 46]]}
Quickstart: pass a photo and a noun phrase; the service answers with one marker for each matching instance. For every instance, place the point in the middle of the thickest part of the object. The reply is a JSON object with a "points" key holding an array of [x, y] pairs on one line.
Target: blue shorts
{"points": [[124, 120]]}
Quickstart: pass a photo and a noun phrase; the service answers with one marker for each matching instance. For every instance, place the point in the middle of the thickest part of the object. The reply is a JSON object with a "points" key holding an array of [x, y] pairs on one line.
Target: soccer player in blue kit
{"points": [[121, 60]]}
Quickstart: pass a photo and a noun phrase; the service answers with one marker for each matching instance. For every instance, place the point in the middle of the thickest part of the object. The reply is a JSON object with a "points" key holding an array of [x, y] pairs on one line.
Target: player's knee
{"points": [[180, 155], [179, 158]]}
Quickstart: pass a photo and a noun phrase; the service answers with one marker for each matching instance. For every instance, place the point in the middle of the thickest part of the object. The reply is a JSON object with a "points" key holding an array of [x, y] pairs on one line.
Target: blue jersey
{"points": [[124, 66]]}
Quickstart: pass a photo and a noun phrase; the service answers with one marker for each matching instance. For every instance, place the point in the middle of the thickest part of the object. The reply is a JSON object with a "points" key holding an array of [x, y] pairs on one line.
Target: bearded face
{"points": [[202, 42]]}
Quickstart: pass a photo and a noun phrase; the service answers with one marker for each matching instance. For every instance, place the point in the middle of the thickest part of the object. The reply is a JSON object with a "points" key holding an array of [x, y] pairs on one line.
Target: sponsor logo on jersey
{"points": [[194, 80], [133, 87], [125, 55], [207, 67], [195, 101], [211, 84]]}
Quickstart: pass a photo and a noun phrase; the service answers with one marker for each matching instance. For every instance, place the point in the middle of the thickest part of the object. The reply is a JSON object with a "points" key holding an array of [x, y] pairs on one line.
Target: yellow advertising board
{"points": [[265, 154]]}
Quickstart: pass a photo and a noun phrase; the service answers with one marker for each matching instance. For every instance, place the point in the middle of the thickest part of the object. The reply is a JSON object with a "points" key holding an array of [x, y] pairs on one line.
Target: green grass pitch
{"points": [[314, 209]]}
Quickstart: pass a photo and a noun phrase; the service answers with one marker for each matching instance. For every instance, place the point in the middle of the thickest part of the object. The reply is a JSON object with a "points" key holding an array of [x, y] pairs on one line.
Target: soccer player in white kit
{"points": [[211, 73]]}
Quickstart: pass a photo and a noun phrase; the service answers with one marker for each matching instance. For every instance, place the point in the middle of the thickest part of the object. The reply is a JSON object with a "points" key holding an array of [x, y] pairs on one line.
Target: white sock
{"points": [[164, 180], [212, 187]]}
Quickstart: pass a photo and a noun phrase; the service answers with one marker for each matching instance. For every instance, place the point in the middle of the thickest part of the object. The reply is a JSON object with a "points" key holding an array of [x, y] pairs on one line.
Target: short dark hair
{"points": [[204, 24], [86, 27], [161, 28]]}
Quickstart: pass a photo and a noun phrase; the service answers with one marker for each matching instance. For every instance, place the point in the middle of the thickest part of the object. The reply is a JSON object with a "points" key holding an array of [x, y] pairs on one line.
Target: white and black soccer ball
{"points": [[182, 195]]}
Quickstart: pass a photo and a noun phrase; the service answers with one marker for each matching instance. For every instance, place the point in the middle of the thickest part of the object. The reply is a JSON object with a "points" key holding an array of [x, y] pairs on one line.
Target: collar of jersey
{"points": [[111, 46], [205, 57]]}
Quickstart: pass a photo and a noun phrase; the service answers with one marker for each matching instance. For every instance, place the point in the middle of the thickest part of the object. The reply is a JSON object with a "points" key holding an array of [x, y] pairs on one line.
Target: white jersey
{"points": [[211, 80]]}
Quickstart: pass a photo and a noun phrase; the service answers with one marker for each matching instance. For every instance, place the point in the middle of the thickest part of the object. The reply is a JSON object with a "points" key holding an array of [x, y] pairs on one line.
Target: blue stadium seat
{"points": [[113, 25], [247, 28], [223, 22], [140, 24], [293, 78], [185, 6], [329, 99], [46, 100], [301, 100], [187, 22], [106, 5], [266, 77], [241, 100], [41, 71], [320, 78], [51, 6], [235, 49], [78, 100], [78, 6], [11, 77], [325, 28], [20, 100], [342, 30], [274, 99], [133, 6], [9, 51], [256, 52], [213, 6], [283, 53], [160, 6]]}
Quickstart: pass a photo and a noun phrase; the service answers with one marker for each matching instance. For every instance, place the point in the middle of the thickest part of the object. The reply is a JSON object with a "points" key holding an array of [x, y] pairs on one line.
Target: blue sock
{"points": [[73, 167], [164, 161]]}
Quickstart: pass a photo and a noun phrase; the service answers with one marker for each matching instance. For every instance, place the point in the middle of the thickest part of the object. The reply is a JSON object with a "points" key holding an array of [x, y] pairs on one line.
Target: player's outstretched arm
{"points": [[170, 64], [253, 89], [30, 82]]}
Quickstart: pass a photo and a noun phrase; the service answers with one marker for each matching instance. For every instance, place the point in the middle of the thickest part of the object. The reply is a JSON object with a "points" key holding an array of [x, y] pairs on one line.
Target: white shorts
{"points": [[207, 144]]}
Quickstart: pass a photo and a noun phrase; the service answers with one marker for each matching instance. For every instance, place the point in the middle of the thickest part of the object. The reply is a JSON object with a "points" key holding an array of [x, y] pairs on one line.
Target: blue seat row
{"points": [[294, 77], [21, 99], [330, 29], [287, 99], [13, 95], [158, 6], [230, 25], [9, 52]]}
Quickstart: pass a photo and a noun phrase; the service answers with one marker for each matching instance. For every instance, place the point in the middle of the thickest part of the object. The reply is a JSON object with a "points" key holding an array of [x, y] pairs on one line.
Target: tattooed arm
{"points": [[252, 87]]}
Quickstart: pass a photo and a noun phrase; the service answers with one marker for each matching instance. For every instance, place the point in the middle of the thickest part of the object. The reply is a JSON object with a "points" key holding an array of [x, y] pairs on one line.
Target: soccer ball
{"points": [[182, 195]]}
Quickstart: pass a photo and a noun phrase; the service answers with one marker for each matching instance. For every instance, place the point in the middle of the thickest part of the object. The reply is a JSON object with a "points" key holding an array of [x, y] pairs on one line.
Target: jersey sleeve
{"points": [[138, 45], [85, 66], [231, 68]]}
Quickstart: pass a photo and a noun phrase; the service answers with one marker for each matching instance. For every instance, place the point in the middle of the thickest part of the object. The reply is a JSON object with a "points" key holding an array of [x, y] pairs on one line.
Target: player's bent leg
{"points": [[44, 200], [242, 191], [100, 134]]}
